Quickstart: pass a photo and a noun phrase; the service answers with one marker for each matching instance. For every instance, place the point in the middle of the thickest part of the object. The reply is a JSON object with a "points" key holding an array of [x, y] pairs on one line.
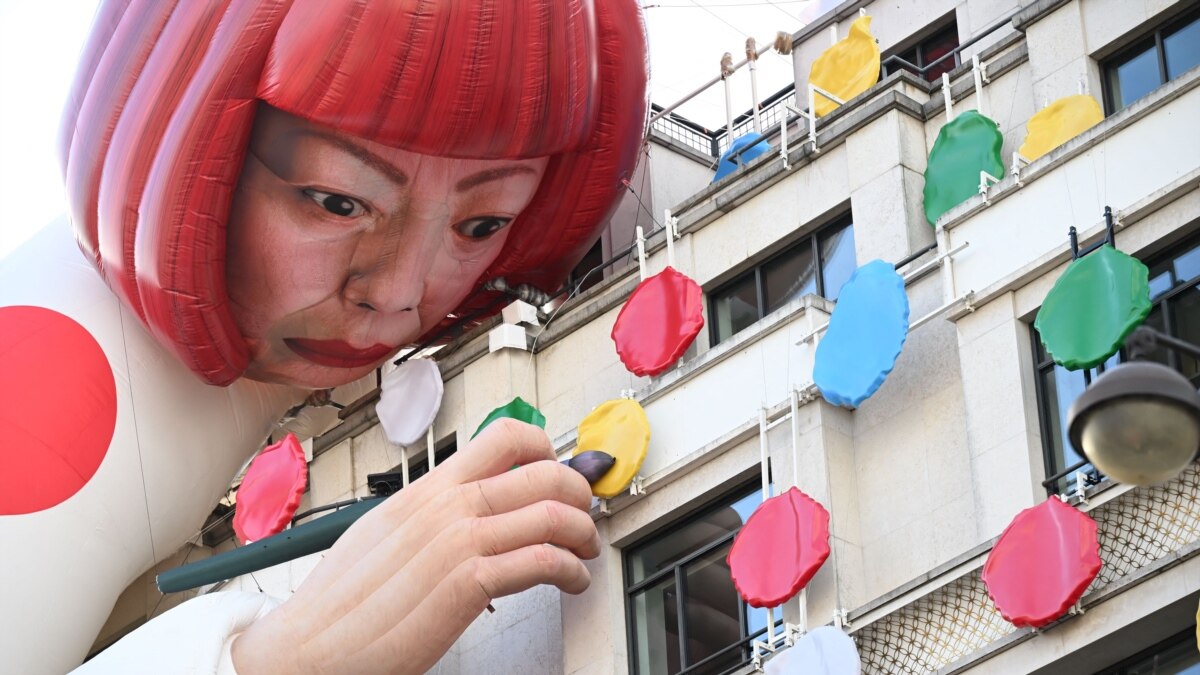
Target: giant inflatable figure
{"points": [[270, 197]]}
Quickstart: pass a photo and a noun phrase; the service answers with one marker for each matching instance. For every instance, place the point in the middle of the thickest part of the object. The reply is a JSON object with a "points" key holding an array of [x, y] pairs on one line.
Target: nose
{"points": [[392, 264]]}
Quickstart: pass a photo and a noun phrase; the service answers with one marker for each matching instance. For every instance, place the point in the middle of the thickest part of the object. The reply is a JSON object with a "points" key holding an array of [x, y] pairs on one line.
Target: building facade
{"points": [[967, 431]]}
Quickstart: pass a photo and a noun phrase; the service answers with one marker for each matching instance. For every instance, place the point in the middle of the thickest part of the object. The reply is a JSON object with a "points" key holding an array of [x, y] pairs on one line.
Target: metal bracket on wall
{"points": [[637, 486]]}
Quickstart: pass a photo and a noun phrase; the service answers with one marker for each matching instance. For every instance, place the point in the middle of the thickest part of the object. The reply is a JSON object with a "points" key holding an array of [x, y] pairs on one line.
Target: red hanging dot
{"points": [[58, 408]]}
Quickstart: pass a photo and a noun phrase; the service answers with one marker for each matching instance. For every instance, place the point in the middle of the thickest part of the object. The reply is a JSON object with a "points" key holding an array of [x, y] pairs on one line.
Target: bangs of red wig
{"points": [[158, 123]]}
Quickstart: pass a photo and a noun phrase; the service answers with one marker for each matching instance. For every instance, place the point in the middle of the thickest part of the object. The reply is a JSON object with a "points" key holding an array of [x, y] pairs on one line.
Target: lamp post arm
{"points": [[1144, 340]]}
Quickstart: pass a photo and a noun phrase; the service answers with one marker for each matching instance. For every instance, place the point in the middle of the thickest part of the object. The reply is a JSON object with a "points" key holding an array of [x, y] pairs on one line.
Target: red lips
{"points": [[337, 354]]}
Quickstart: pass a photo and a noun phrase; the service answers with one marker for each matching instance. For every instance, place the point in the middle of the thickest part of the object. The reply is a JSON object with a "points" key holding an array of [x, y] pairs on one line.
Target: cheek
{"points": [[453, 278]]}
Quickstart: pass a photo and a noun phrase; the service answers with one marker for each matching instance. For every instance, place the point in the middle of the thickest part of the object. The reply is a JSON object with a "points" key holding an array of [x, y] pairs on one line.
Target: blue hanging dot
{"points": [[731, 162], [865, 335]]}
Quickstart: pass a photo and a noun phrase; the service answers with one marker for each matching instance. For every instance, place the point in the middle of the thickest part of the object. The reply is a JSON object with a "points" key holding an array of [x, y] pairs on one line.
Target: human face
{"points": [[340, 250]]}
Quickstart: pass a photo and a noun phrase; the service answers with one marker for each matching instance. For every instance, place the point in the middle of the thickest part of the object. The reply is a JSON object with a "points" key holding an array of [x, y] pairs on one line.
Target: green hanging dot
{"points": [[517, 409], [969, 144], [1093, 307]]}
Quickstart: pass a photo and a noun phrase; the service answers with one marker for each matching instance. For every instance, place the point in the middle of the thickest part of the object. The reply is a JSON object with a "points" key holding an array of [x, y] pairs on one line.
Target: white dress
{"points": [[176, 445]]}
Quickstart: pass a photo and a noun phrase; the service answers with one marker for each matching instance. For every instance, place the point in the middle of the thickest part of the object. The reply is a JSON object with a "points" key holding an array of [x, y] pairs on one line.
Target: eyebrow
{"points": [[362, 154], [399, 177], [489, 175]]}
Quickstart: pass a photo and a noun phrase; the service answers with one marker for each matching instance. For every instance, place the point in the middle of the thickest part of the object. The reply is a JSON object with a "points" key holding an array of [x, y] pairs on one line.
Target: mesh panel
{"points": [[1135, 529]]}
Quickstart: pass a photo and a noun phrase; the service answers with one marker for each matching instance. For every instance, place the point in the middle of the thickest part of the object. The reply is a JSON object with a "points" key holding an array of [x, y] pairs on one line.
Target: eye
{"points": [[481, 228], [338, 205]]}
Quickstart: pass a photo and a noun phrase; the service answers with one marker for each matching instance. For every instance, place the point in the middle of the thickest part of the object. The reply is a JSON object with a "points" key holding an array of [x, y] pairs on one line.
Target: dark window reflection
{"points": [[927, 52], [817, 264], [1176, 655], [682, 573], [714, 613], [789, 276], [656, 628], [735, 307]]}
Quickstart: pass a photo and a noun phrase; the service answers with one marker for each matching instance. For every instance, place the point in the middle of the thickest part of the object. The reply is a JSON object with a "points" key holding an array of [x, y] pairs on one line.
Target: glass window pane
{"points": [[676, 543], [789, 276], [1061, 387], [656, 629], [1185, 319], [1187, 265], [837, 260], [1155, 320], [1182, 49], [713, 611], [735, 307], [1134, 78], [937, 46]]}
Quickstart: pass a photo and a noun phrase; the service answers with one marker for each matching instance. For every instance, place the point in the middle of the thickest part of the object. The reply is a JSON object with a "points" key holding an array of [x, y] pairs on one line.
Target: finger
{"points": [[387, 589], [429, 631], [545, 522], [503, 444], [532, 483], [400, 539]]}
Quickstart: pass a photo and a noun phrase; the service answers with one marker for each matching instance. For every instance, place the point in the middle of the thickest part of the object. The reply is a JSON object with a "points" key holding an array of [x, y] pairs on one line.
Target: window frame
{"points": [[813, 239], [1155, 38], [1044, 367], [918, 45], [677, 570], [1185, 636]]}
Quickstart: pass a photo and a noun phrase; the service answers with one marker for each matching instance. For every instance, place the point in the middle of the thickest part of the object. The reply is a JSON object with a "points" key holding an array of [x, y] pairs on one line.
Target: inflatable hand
{"points": [[404, 582]]}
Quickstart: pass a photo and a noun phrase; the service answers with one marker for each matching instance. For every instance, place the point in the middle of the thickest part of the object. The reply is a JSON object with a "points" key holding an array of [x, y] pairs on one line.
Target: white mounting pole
{"points": [[812, 116], [670, 222], [764, 459], [943, 241], [404, 465], [430, 455], [980, 75], [783, 147], [641, 250], [949, 97], [726, 72], [771, 626], [752, 58], [986, 180], [833, 34], [794, 405]]}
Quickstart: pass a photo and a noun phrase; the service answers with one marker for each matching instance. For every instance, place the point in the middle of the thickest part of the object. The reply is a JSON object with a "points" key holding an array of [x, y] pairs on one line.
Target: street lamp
{"points": [[1139, 422]]}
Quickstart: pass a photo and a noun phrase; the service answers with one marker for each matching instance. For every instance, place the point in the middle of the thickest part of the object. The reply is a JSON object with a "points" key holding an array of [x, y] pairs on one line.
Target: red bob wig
{"points": [[159, 119]]}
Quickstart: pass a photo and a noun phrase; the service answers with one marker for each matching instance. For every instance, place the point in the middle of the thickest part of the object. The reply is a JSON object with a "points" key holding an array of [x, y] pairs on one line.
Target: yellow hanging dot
{"points": [[846, 69], [1058, 123], [619, 428]]}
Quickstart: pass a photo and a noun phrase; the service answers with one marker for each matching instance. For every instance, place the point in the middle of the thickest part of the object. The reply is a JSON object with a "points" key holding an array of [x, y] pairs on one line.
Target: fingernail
{"points": [[592, 464]]}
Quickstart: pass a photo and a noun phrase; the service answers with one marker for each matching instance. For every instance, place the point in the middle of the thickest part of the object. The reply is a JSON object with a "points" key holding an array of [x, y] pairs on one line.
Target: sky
{"points": [[40, 41]]}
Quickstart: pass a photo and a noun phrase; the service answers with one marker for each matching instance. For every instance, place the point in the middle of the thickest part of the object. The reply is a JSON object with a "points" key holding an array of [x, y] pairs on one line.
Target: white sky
{"points": [[40, 41]]}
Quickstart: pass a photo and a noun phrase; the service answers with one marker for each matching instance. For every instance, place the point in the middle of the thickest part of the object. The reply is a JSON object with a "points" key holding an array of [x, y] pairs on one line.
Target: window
{"points": [[820, 263], [1151, 62], [392, 480], [1174, 656], [927, 51], [685, 617], [1175, 292], [583, 275]]}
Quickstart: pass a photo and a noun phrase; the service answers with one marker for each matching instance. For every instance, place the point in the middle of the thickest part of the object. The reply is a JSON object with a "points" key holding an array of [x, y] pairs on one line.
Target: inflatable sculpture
{"points": [[270, 197]]}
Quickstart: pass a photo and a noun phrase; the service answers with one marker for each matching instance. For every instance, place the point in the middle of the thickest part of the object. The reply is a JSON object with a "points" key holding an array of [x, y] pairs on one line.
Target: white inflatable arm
{"points": [[194, 637]]}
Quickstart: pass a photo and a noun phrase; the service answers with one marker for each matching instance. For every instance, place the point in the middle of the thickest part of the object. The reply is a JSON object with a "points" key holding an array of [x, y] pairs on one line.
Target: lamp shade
{"points": [[1139, 423]]}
